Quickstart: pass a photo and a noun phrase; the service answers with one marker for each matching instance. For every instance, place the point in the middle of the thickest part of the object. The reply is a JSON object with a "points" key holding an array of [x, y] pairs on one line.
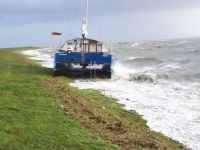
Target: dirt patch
{"points": [[121, 132]]}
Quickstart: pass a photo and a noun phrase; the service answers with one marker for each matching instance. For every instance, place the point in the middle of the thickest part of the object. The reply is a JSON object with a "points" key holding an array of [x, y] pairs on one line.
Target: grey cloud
{"points": [[35, 6], [23, 21], [29, 11]]}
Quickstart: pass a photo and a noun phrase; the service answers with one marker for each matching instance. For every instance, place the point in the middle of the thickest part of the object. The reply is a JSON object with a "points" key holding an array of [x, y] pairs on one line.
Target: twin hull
{"points": [[83, 59]]}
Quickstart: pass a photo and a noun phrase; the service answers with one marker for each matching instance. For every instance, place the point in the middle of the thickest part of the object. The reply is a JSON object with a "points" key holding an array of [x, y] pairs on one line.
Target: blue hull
{"points": [[83, 59]]}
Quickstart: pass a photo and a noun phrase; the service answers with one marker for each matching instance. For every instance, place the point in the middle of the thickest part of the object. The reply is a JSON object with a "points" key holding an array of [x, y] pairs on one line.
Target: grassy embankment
{"points": [[30, 116]]}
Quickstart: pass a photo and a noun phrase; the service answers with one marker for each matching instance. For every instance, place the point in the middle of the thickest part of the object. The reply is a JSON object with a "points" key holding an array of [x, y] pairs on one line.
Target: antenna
{"points": [[85, 22]]}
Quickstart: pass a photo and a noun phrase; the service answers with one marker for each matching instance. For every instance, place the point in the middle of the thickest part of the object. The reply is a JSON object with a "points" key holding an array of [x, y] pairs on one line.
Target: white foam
{"points": [[133, 58], [169, 65], [171, 108], [45, 56], [135, 44], [195, 50], [184, 41]]}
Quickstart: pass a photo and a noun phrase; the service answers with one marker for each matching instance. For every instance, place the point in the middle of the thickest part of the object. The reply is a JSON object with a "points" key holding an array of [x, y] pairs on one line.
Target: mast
{"points": [[85, 22]]}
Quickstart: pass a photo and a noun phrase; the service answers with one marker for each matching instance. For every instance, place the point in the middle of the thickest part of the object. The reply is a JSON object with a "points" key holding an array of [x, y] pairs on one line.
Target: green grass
{"points": [[110, 120], [29, 116]]}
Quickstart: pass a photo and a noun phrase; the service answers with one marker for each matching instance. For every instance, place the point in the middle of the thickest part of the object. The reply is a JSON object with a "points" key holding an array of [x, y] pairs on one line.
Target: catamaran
{"points": [[82, 51]]}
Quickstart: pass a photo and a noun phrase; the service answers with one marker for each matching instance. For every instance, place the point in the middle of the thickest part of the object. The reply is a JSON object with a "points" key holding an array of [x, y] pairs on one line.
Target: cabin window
{"points": [[92, 47]]}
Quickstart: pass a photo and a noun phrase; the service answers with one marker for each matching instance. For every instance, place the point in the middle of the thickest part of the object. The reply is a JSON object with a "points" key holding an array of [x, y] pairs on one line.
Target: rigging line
{"points": [[63, 25], [77, 15], [99, 26], [87, 14], [70, 18], [67, 22], [87, 9]]}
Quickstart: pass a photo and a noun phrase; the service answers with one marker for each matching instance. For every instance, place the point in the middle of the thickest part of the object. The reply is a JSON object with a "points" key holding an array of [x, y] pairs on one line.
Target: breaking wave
{"points": [[142, 61], [142, 77]]}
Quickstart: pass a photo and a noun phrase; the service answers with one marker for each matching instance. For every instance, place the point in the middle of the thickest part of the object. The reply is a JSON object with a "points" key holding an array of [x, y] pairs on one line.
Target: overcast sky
{"points": [[30, 22]]}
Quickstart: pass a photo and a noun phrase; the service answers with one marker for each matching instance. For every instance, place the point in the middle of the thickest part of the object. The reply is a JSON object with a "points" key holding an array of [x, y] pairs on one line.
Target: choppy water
{"points": [[161, 81], [158, 79]]}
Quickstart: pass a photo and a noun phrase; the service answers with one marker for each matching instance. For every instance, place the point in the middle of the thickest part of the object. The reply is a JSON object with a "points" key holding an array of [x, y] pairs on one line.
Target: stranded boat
{"points": [[82, 52]]}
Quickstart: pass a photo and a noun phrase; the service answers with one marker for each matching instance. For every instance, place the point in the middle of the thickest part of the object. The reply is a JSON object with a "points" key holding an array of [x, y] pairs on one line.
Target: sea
{"points": [[160, 80]]}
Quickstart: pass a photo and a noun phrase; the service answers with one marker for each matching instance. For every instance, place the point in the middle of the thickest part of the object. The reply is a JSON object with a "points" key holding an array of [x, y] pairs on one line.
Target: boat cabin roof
{"points": [[82, 45], [86, 39]]}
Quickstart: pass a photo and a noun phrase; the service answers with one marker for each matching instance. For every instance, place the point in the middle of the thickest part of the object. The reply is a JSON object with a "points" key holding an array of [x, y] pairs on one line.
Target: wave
{"points": [[135, 44], [123, 72], [142, 77], [156, 75], [141, 61], [45, 56], [133, 58], [144, 59], [195, 51], [184, 42]]}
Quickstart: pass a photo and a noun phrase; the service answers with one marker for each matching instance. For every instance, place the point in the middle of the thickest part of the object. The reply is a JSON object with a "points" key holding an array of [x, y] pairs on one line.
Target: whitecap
{"points": [[134, 44], [45, 56]]}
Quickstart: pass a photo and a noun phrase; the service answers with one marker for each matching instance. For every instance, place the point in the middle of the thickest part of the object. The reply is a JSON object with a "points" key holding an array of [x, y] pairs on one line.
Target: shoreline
{"points": [[29, 116], [124, 110], [126, 129]]}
